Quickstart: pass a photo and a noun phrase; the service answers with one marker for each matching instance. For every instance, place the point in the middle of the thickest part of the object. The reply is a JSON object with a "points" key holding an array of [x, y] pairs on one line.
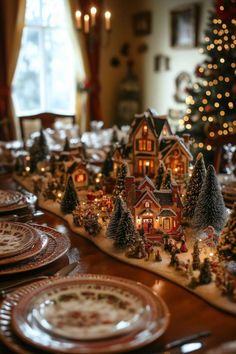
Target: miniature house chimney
{"points": [[130, 188]]}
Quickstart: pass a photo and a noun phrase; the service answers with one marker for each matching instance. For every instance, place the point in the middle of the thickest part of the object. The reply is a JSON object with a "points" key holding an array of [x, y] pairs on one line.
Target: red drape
{"points": [[93, 41]]}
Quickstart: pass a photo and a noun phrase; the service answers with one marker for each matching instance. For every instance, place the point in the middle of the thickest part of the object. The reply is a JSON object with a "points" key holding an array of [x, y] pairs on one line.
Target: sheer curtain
{"points": [[82, 67], [11, 26]]}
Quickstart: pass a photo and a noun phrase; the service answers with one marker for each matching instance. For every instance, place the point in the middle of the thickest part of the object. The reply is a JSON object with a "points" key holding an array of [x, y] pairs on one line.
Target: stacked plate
{"points": [[25, 247], [15, 205], [88, 313]]}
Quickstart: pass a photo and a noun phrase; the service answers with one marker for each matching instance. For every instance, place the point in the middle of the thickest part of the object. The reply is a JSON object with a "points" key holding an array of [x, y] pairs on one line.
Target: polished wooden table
{"points": [[189, 313]]}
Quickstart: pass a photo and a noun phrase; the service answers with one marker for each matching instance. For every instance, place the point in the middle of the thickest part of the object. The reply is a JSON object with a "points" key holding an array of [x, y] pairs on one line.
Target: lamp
{"points": [[87, 22]]}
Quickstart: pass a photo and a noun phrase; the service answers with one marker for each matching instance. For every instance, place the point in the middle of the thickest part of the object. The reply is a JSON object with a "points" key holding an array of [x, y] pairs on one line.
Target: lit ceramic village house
{"points": [[151, 141]]}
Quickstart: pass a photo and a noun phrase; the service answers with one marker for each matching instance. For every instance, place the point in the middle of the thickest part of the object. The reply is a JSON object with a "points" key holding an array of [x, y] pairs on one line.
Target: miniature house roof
{"points": [[168, 144], [74, 166], [164, 197], [167, 212], [146, 181], [146, 195], [155, 123]]}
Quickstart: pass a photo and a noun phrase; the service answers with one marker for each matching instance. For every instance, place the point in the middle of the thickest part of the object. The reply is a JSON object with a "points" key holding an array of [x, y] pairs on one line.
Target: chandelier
{"points": [[87, 22]]}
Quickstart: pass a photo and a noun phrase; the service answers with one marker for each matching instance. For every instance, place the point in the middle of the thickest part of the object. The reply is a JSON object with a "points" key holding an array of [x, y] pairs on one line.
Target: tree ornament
{"points": [[126, 235], [194, 187], [117, 212], [227, 241], [210, 207], [160, 175], [70, 199], [205, 276]]}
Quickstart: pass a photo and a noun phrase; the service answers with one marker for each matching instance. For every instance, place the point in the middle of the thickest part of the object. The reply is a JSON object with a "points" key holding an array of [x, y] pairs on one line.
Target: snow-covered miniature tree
{"points": [[38, 151], [196, 259], [194, 187], [166, 182], [66, 145], [227, 240], [160, 174], [125, 235], [120, 182], [210, 208], [70, 199], [117, 212], [205, 276]]}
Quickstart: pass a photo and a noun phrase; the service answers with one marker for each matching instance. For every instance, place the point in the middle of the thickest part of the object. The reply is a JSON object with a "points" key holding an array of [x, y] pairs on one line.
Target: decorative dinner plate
{"points": [[15, 238], [57, 246], [63, 313], [8, 197], [38, 246]]}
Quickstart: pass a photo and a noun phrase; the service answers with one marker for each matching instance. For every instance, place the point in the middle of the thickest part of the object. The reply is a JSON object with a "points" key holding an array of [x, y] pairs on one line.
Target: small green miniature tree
{"points": [[125, 235], [38, 151], [194, 187], [160, 175], [210, 208], [167, 180], [108, 165], [117, 212], [205, 276], [119, 188], [70, 199], [196, 259], [227, 240], [66, 145]]}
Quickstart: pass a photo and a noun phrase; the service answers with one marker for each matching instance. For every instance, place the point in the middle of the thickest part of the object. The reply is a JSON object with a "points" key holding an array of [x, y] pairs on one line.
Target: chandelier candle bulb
{"points": [[107, 16], [78, 17], [93, 12], [86, 23]]}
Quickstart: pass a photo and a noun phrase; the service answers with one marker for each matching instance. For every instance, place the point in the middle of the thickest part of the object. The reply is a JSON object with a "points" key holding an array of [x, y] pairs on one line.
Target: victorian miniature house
{"points": [[151, 140], [154, 211], [79, 173]]}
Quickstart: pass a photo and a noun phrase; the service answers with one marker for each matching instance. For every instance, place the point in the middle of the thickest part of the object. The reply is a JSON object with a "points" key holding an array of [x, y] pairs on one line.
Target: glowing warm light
{"points": [[216, 104], [201, 145], [231, 105], [188, 126], [219, 95], [201, 109], [27, 168], [222, 60], [227, 94], [186, 118], [209, 147], [222, 8], [208, 92], [210, 119], [225, 125], [204, 118], [220, 132], [222, 113], [107, 16], [78, 17], [97, 180], [59, 194], [212, 134]]}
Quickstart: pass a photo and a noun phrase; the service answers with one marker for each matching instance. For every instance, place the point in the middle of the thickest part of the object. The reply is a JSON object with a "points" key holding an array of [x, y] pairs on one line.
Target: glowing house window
{"points": [[145, 166], [80, 178], [145, 129], [147, 204], [145, 145]]}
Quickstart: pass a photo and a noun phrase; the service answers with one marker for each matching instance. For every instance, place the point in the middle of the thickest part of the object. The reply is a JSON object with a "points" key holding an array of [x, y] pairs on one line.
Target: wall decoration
{"points": [[142, 23], [182, 83], [184, 26], [161, 62]]}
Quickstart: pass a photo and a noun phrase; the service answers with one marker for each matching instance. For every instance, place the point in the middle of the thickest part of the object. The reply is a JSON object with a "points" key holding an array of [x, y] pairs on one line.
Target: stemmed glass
{"points": [[230, 166]]}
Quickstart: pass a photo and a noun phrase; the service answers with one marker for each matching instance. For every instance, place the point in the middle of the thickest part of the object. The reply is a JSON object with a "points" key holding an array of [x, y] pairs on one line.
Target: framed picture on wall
{"points": [[184, 26], [142, 23]]}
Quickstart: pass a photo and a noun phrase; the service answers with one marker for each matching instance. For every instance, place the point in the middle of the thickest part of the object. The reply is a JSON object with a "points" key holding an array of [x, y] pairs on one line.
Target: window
{"points": [[147, 205], [45, 75], [80, 178], [145, 167], [145, 145]]}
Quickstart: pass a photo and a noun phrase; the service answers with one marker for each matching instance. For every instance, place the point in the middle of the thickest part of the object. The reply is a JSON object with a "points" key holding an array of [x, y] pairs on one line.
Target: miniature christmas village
{"points": [[145, 205]]}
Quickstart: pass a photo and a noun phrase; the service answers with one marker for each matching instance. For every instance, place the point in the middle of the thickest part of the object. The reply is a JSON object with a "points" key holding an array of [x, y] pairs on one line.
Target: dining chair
{"points": [[29, 124]]}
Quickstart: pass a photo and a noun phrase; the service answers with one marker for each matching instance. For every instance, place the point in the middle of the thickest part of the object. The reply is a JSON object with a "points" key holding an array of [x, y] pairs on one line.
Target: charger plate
{"points": [[15, 238], [20, 327], [58, 245]]}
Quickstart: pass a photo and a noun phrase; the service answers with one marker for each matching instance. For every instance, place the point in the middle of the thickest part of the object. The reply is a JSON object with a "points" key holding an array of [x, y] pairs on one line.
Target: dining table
{"points": [[188, 313]]}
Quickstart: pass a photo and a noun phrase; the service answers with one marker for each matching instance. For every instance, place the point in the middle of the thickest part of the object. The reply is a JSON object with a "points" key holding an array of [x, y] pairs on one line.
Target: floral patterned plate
{"points": [[8, 197], [15, 238], [89, 313]]}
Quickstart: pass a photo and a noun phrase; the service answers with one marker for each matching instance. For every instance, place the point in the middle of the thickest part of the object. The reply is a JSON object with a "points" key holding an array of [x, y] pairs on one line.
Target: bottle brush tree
{"points": [[70, 199], [125, 235], [194, 187], [160, 175], [210, 208], [117, 212], [227, 240]]}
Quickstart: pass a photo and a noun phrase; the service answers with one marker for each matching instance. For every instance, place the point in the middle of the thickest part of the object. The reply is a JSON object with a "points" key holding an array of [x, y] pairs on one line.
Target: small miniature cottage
{"points": [[153, 210], [152, 140], [79, 173]]}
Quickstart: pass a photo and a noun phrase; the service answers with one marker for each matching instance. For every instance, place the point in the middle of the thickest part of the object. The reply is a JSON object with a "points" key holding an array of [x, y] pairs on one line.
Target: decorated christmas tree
{"points": [[210, 208], [160, 175], [120, 182], [38, 151], [227, 241], [70, 198], [166, 183], [212, 99], [196, 259], [194, 187], [125, 235], [205, 276], [117, 212], [91, 223]]}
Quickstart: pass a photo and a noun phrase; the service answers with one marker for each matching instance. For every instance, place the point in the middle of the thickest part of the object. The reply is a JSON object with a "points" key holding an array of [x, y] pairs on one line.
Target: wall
{"points": [[158, 88]]}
